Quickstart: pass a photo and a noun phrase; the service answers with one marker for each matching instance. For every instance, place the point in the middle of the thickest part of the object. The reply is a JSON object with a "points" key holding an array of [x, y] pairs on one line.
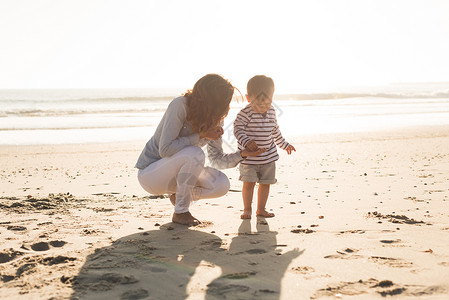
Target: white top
{"points": [[263, 129], [174, 133]]}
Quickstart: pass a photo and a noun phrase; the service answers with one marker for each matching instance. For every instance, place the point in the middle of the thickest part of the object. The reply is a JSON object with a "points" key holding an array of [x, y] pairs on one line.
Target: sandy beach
{"points": [[358, 216]]}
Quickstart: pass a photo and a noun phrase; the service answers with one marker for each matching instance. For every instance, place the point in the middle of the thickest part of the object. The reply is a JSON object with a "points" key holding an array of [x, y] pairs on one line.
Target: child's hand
{"points": [[289, 149], [252, 146]]}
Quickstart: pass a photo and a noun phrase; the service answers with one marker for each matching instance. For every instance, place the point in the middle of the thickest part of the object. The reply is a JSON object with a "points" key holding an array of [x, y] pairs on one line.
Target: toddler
{"points": [[256, 128]]}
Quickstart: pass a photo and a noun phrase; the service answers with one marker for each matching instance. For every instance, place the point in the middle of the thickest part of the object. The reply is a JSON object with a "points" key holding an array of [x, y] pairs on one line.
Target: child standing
{"points": [[256, 128]]}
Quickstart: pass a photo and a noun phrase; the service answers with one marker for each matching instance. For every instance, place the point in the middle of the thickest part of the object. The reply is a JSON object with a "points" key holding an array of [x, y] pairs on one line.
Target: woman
{"points": [[173, 161]]}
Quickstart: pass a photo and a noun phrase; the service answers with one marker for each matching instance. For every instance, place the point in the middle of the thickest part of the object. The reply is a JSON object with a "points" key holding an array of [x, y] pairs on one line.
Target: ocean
{"points": [[34, 117]]}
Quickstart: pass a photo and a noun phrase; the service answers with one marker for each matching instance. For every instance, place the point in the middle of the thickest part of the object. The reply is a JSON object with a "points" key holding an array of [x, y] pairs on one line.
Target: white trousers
{"points": [[184, 173]]}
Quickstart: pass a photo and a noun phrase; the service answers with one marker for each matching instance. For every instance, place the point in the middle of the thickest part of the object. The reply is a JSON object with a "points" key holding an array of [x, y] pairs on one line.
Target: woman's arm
{"points": [[220, 160], [170, 142]]}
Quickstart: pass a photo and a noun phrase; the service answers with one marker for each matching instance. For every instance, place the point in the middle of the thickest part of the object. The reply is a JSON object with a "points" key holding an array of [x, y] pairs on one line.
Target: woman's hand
{"points": [[213, 133], [246, 152], [252, 149], [252, 145]]}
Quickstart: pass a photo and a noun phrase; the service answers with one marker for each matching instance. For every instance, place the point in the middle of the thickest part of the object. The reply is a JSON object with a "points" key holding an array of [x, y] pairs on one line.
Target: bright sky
{"points": [[304, 45]]}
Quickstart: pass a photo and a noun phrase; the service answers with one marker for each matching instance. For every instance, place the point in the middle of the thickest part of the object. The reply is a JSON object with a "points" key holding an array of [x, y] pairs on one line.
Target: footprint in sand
{"points": [[397, 219], [9, 255], [390, 241], [16, 228], [41, 246], [393, 243], [211, 243], [224, 290], [29, 263], [7, 278], [345, 254], [256, 251], [391, 262], [60, 259], [44, 246], [24, 268], [134, 294], [108, 281], [118, 278], [374, 286], [57, 244]]}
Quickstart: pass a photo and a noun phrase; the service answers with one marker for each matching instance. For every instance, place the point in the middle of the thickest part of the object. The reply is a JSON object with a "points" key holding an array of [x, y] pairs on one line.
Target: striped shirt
{"points": [[263, 129]]}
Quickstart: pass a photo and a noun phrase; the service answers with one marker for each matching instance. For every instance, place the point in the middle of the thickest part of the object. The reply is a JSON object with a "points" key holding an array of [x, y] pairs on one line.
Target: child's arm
{"points": [[280, 141], [240, 123]]}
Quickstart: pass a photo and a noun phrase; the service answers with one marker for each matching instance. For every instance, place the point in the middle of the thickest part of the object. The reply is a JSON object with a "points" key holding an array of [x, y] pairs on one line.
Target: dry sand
{"points": [[358, 216]]}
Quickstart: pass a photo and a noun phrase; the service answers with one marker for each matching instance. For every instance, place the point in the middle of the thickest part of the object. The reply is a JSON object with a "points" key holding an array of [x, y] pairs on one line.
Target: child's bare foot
{"points": [[185, 219], [264, 213], [173, 199], [246, 214]]}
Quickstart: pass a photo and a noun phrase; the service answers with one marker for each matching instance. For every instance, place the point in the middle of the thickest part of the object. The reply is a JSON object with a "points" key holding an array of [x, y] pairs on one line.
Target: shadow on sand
{"points": [[174, 262]]}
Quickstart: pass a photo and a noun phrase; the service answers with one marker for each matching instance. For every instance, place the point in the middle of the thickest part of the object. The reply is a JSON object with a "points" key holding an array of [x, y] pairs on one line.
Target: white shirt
{"points": [[174, 133]]}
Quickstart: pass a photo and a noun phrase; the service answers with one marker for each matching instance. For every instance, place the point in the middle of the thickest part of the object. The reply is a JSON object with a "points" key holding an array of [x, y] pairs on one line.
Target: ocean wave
{"points": [[77, 127], [398, 95], [156, 105], [88, 99], [91, 99], [64, 112]]}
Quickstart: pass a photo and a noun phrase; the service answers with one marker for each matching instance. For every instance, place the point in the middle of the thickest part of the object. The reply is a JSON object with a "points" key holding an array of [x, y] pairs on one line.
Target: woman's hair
{"points": [[208, 102]]}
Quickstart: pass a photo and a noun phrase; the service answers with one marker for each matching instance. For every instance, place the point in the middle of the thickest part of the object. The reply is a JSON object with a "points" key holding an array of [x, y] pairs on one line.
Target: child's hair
{"points": [[259, 84], [208, 101]]}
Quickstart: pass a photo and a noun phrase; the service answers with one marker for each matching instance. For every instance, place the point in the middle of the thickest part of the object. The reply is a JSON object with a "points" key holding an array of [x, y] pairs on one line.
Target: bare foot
{"points": [[185, 219], [264, 213], [173, 199], [246, 214]]}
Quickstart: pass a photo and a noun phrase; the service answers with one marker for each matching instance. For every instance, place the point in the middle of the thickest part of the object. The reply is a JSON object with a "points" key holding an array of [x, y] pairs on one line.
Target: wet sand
{"points": [[358, 216]]}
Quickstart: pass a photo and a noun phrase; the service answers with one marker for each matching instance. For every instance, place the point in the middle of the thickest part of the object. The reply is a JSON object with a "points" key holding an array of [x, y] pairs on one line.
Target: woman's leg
{"points": [[175, 174], [211, 183]]}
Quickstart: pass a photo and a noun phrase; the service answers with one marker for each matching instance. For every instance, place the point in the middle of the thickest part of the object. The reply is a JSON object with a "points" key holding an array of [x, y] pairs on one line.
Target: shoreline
{"points": [[385, 133]]}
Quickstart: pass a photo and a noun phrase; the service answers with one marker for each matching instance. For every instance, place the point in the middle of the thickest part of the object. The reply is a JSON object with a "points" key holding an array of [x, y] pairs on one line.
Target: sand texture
{"points": [[358, 216]]}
